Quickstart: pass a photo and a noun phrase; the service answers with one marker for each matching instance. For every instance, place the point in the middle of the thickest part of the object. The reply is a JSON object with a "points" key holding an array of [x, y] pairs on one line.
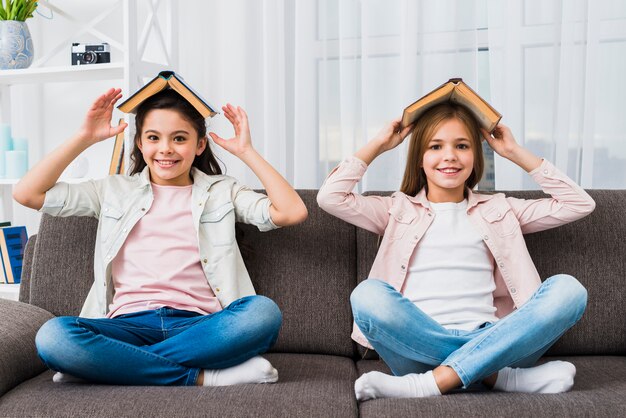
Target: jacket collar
{"points": [[473, 199]]}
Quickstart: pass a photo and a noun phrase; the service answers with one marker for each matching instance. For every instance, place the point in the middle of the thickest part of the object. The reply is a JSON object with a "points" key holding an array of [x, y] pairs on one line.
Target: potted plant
{"points": [[16, 45]]}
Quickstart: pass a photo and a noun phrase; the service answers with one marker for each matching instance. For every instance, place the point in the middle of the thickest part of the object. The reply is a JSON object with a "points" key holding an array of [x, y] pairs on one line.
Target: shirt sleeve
{"points": [[78, 199], [337, 198], [568, 201], [252, 208]]}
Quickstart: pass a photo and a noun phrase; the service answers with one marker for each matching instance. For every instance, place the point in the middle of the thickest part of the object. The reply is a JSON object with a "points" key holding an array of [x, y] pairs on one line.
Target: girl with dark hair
{"points": [[453, 296], [172, 302]]}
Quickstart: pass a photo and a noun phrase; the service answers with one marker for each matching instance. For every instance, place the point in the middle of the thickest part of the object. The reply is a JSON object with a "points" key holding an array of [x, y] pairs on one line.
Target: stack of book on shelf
{"points": [[12, 245]]}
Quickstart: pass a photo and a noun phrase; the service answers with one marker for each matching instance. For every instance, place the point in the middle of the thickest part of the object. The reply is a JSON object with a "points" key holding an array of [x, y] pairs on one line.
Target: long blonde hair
{"points": [[425, 128]]}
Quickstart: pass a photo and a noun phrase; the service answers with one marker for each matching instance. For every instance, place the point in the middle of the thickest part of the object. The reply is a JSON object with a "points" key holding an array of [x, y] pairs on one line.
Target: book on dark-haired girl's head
{"points": [[117, 158], [168, 79], [454, 91]]}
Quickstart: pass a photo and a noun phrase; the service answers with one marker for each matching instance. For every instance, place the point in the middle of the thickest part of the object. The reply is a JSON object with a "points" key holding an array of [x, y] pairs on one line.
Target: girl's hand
{"points": [[503, 143], [501, 140], [97, 125], [390, 136], [241, 142]]}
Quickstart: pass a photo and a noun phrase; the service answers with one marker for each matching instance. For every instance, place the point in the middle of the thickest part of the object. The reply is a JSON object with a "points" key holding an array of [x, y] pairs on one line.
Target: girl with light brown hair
{"points": [[453, 296]]}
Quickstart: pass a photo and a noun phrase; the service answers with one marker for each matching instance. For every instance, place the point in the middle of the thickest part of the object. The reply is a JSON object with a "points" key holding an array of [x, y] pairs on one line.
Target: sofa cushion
{"points": [[309, 270], [592, 250], [27, 264], [599, 391], [309, 385], [63, 270], [19, 360]]}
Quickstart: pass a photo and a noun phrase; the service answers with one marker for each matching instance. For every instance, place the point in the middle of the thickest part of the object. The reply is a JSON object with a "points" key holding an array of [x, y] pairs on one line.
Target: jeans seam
{"points": [[192, 376], [459, 371], [163, 329]]}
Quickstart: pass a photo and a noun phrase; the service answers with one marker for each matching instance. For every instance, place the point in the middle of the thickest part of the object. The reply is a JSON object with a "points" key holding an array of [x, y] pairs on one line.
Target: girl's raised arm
{"points": [[287, 208], [389, 137], [31, 189]]}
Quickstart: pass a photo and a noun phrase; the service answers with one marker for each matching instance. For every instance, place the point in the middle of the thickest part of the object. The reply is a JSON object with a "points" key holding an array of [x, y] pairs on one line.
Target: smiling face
{"points": [[169, 143], [448, 162]]}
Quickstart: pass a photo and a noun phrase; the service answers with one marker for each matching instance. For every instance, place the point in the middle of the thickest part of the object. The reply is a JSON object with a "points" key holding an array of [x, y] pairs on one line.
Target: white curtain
{"points": [[556, 72], [320, 77]]}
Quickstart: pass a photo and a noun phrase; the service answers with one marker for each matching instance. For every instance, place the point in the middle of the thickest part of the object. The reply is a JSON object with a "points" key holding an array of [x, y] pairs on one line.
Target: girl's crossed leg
{"points": [[166, 346], [412, 343]]}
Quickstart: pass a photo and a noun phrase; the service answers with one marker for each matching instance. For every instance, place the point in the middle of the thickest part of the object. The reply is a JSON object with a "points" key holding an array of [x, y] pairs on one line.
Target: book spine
{"points": [[16, 239], [3, 274], [5, 258]]}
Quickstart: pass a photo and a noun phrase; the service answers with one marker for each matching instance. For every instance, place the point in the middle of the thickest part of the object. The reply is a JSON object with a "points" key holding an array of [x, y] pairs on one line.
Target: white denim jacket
{"points": [[118, 202]]}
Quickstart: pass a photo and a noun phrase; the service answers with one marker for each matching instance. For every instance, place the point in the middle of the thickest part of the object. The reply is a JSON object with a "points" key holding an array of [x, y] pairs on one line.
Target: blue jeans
{"points": [[159, 347], [410, 341]]}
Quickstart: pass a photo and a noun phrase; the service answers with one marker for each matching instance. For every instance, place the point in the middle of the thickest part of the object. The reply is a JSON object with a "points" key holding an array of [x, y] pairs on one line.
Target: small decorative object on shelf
{"points": [[6, 143], [16, 44], [13, 154], [85, 54]]}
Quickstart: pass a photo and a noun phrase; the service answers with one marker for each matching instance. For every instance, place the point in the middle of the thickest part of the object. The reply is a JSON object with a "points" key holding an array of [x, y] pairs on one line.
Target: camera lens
{"points": [[90, 57]]}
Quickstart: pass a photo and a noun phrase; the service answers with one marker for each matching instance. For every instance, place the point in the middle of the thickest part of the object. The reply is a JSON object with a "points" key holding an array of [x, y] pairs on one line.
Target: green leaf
{"points": [[19, 10]]}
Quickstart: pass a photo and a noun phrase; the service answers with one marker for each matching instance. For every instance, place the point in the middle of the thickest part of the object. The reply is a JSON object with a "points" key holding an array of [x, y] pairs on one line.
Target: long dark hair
{"points": [[425, 128], [169, 99]]}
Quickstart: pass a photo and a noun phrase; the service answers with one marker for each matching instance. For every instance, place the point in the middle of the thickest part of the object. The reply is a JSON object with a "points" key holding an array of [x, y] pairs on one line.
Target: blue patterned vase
{"points": [[16, 45]]}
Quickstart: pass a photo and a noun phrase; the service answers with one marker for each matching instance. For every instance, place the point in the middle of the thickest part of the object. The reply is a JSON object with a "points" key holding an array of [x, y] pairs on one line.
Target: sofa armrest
{"points": [[19, 323]]}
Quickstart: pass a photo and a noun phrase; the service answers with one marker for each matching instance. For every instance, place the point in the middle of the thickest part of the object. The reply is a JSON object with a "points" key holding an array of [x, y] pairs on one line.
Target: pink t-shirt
{"points": [[159, 263]]}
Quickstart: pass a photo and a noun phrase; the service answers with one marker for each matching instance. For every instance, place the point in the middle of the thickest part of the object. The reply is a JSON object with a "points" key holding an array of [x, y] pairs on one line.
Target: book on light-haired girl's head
{"points": [[454, 91]]}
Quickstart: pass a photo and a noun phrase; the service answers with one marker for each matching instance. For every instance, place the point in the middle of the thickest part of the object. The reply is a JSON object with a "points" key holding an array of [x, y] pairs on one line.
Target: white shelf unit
{"points": [[59, 74], [132, 68]]}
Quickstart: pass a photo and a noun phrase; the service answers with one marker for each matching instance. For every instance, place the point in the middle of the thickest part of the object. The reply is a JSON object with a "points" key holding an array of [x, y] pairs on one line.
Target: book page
{"points": [[472, 106], [414, 111], [154, 86]]}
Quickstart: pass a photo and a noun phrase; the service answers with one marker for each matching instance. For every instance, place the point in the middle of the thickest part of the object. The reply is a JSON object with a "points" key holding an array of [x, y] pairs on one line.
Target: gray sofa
{"points": [[310, 270]]}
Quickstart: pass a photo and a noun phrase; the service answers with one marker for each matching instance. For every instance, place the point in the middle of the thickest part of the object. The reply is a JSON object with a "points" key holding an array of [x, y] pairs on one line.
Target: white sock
{"points": [[66, 378], [255, 370], [375, 385], [552, 377]]}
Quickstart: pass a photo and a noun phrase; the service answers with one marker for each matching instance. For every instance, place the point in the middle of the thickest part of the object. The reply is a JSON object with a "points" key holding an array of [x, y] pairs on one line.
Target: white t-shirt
{"points": [[450, 274]]}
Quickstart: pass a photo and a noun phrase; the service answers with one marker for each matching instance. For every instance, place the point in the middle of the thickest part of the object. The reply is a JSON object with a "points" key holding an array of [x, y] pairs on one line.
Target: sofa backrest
{"points": [[309, 270], [592, 249], [61, 273]]}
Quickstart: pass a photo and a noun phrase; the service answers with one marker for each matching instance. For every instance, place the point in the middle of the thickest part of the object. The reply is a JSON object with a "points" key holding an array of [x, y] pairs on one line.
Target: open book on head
{"points": [[168, 79], [455, 91], [117, 158]]}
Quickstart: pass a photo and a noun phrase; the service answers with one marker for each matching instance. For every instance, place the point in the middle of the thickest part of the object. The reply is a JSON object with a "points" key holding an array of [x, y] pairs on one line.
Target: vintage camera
{"points": [[83, 54]]}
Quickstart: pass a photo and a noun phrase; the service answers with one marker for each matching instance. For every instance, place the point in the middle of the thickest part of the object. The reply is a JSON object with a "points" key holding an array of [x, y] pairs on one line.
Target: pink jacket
{"points": [[403, 220]]}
